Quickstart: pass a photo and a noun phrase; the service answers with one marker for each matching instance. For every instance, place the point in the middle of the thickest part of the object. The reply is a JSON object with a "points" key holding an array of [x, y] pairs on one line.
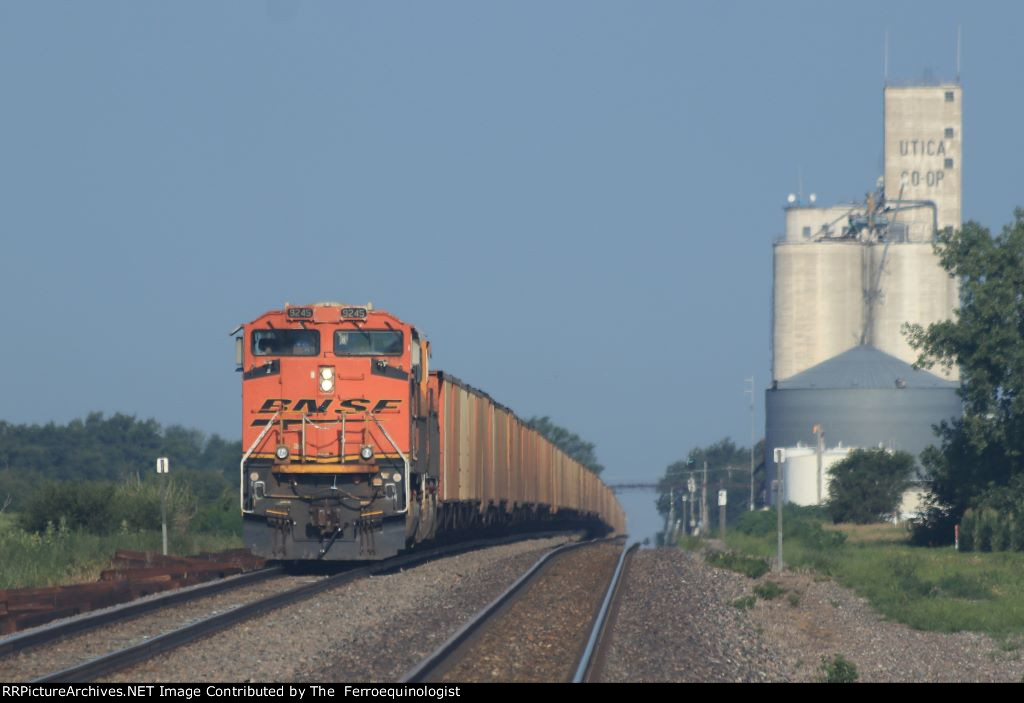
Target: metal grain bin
{"points": [[862, 398]]}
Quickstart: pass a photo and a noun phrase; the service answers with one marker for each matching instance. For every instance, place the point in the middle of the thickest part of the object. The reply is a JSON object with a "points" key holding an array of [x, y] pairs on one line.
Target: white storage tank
{"points": [[801, 483], [800, 471]]}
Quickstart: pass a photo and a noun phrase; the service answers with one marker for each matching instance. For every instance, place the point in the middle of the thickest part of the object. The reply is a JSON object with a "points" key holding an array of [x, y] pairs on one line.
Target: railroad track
{"points": [[151, 646], [493, 636]]}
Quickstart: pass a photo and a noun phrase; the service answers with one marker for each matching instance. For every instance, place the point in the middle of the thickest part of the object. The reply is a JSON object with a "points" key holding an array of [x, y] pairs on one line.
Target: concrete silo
{"points": [[849, 277]]}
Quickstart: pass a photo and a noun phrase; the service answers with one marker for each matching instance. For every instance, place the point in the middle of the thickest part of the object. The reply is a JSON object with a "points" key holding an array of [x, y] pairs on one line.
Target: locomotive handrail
{"points": [[245, 457], [405, 461], [305, 419]]}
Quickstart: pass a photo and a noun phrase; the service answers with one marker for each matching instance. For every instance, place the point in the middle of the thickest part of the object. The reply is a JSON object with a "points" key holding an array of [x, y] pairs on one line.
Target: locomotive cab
{"points": [[330, 394]]}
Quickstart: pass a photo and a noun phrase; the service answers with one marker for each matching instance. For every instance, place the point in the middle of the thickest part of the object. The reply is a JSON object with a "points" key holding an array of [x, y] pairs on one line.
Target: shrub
{"points": [[837, 670], [87, 505], [222, 517], [744, 603], [138, 504], [1016, 532], [967, 527], [750, 566], [983, 528], [1000, 532], [868, 485], [769, 590], [102, 507], [934, 527], [803, 523]]}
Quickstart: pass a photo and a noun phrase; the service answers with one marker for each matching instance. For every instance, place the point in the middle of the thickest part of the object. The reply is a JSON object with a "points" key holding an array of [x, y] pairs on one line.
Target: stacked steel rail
{"points": [[132, 575]]}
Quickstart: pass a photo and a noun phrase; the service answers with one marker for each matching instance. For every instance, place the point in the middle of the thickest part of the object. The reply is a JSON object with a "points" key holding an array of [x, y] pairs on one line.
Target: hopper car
{"points": [[353, 449]]}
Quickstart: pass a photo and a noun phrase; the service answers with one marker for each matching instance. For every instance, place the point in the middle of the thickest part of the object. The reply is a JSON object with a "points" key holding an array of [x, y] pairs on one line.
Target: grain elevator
{"points": [[848, 277]]}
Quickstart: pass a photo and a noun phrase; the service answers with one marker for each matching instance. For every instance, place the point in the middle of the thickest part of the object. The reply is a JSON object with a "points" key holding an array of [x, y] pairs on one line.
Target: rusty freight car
{"points": [[355, 450]]}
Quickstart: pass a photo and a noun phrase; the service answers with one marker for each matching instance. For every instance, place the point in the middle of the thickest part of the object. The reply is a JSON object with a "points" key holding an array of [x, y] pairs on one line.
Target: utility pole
{"points": [[668, 519], [704, 499], [751, 392], [721, 510], [686, 524], [780, 458], [820, 432], [691, 486]]}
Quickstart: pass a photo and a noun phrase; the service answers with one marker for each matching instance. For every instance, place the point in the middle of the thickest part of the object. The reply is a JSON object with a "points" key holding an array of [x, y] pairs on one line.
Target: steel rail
{"points": [[429, 665], [141, 652], [91, 620], [592, 654]]}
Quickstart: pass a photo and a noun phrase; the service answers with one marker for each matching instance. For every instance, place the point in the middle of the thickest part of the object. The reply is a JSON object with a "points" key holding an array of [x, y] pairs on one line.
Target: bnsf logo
{"points": [[312, 407]]}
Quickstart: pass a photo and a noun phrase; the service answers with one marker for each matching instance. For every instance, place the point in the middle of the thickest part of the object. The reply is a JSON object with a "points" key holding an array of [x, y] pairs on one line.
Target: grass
{"points": [[749, 566], [929, 588], [745, 602], [58, 557], [689, 543]]}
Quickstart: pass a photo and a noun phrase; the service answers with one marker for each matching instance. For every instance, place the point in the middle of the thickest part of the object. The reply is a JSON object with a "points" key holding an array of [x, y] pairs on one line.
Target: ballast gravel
{"points": [[371, 630], [78, 649], [679, 621], [828, 619], [676, 623], [540, 636]]}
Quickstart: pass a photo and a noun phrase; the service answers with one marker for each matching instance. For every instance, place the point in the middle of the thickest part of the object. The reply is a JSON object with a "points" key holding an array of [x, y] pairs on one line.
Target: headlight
{"points": [[282, 452], [326, 379], [366, 452]]}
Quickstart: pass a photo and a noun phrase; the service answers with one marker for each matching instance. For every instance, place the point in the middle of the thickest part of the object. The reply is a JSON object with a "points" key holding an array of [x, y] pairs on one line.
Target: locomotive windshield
{"points": [[373, 342], [285, 342]]}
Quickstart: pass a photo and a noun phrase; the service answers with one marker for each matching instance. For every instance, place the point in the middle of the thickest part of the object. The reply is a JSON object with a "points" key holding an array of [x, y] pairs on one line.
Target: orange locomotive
{"points": [[354, 450]]}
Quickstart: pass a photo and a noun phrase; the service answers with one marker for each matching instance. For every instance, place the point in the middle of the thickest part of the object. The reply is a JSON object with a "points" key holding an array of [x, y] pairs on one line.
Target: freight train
{"points": [[355, 450]]}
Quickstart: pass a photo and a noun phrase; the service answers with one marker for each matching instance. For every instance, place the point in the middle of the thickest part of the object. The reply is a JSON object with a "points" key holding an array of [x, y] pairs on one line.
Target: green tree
{"points": [[983, 449], [112, 449], [569, 442], [728, 467], [868, 484]]}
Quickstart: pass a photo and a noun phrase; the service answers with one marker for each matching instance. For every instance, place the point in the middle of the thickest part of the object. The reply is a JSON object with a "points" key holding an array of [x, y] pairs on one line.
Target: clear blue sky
{"points": [[575, 200]]}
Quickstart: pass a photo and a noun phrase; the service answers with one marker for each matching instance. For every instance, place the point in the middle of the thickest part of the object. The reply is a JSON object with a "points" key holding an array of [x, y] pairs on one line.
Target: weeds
{"points": [[750, 566], [689, 543], [744, 603], [769, 590], [926, 588], [837, 670], [59, 555]]}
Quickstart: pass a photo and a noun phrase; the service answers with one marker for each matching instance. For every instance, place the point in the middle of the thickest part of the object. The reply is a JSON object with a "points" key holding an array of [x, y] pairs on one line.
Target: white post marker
{"points": [[721, 513], [163, 467], [780, 458]]}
